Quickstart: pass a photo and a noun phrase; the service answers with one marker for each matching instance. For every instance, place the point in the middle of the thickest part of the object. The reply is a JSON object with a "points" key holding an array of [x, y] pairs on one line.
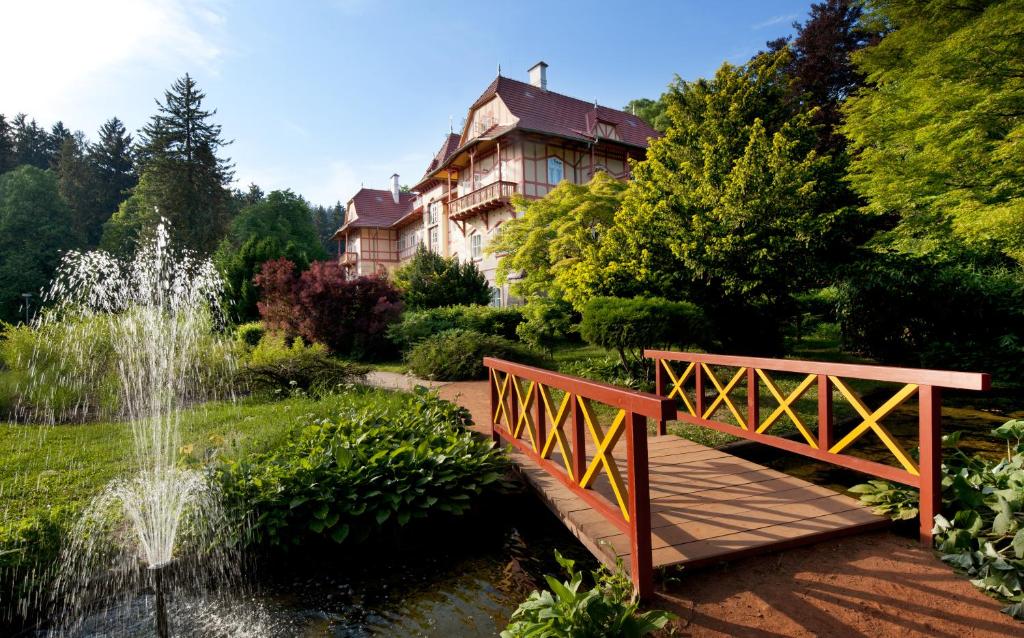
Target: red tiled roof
{"points": [[376, 208], [450, 145], [556, 114]]}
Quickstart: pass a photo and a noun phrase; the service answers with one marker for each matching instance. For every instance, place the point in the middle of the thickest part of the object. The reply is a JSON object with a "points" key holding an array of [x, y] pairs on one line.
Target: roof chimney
{"points": [[539, 75], [395, 188]]}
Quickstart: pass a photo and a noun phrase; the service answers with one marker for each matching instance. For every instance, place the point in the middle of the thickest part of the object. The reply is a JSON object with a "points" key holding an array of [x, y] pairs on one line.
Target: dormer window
{"points": [[556, 170]]}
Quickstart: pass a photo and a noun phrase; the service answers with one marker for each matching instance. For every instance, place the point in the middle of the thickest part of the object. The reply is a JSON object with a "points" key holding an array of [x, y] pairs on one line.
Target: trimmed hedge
{"points": [[629, 325], [457, 355], [418, 325]]}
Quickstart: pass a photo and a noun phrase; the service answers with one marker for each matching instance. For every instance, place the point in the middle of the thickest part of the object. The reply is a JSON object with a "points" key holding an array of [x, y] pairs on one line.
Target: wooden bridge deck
{"points": [[707, 506]]}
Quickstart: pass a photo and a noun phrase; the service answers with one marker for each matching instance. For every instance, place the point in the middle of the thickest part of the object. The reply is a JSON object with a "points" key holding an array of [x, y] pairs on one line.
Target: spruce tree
{"points": [[7, 155], [30, 143], [77, 185], [111, 159], [187, 180], [55, 142]]}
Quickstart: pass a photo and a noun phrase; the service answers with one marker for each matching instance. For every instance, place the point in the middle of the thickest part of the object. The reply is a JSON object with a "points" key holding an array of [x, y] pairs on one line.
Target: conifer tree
{"points": [[30, 143], [183, 179], [7, 156], [111, 158]]}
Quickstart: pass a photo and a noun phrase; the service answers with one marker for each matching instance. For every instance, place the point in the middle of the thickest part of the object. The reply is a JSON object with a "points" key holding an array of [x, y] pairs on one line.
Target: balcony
{"points": [[494, 195], [348, 259]]}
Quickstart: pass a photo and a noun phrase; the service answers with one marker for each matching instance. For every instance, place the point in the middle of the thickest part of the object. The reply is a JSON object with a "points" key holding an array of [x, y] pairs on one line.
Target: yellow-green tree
{"points": [[939, 131]]}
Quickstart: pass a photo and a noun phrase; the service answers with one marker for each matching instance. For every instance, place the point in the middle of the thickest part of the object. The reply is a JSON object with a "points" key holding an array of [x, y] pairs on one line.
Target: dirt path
{"points": [[879, 584]]}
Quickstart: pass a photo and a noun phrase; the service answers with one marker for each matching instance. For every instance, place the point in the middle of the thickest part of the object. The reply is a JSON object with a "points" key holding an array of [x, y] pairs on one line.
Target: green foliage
{"points": [[937, 312], [417, 325], [939, 132], [606, 369], [182, 177], [607, 610], [547, 323], [432, 281], [888, 499], [66, 370], [457, 354], [733, 208], [554, 243], [239, 267], [386, 459], [250, 333], [34, 230], [278, 370], [627, 326]]}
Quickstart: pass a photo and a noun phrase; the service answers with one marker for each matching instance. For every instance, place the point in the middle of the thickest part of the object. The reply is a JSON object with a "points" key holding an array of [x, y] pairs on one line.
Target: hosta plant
{"points": [[566, 610]]}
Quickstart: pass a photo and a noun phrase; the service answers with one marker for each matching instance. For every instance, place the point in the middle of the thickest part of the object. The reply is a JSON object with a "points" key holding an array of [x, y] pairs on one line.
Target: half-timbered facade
{"points": [[519, 138]]}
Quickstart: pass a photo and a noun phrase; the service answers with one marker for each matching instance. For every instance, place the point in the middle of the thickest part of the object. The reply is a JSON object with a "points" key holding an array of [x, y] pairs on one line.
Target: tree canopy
{"points": [[35, 228], [939, 130]]}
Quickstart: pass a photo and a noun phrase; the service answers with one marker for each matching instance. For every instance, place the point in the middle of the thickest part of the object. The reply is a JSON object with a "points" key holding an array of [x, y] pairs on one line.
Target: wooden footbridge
{"points": [[662, 501]]}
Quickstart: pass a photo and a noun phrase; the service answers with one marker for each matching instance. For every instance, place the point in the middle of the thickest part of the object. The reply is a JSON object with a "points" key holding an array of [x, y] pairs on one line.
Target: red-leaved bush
{"points": [[279, 295], [321, 305]]}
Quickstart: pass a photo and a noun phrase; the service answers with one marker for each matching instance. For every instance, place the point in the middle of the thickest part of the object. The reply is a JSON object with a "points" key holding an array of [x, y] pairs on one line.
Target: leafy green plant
{"points": [[276, 369], [454, 355], [607, 610], [387, 459], [898, 502], [548, 322], [417, 325], [430, 280]]}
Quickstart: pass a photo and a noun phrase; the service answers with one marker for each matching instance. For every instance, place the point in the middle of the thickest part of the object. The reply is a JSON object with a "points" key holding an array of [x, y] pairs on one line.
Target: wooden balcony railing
{"points": [[488, 197], [702, 384], [526, 412], [348, 259]]}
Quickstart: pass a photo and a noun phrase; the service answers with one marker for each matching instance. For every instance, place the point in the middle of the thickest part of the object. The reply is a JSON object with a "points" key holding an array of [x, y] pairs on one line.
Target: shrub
{"points": [[322, 305], [547, 323], [388, 458], [250, 333], [607, 610], [629, 325], [606, 369], [456, 355], [278, 370], [966, 313], [432, 281], [415, 326]]}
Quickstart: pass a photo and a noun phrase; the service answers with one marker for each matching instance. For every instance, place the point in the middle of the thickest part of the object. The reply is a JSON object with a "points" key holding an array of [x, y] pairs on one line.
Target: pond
{"points": [[463, 578]]}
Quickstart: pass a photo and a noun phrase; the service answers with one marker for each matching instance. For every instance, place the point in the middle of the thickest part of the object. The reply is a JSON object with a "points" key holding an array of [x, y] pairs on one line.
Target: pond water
{"points": [[464, 578]]}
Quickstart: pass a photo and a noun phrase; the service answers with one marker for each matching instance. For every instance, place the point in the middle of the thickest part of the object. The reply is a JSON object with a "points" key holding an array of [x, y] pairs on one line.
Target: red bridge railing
{"points": [[705, 399], [526, 414]]}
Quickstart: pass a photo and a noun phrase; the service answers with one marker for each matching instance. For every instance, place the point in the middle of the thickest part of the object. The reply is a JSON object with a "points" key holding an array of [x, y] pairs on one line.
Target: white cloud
{"points": [[72, 50], [771, 22]]}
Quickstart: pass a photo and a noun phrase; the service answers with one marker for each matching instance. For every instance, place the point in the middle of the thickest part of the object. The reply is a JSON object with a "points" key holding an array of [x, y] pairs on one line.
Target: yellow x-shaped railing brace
{"points": [[723, 395], [677, 384], [501, 408], [602, 455], [785, 405], [871, 420], [557, 433]]}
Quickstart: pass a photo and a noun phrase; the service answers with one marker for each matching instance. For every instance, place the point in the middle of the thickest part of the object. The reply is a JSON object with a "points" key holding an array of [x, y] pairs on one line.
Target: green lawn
{"points": [[46, 466]]}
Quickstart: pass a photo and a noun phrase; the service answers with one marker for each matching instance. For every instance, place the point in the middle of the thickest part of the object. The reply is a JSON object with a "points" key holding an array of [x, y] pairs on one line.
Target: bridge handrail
{"points": [[827, 378], [532, 421]]}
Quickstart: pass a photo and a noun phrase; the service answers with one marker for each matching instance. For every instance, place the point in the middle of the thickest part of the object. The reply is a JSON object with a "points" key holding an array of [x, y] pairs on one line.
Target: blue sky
{"points": [[321, 96]]}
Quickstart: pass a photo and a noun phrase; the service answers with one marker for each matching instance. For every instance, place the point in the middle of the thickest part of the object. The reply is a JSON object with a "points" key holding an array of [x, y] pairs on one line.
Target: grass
{"points": [[49, 466]]}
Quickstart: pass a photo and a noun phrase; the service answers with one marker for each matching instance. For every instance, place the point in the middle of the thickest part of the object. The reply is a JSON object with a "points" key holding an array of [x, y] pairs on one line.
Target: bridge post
{"points": [[579, 440], [493, 379], [659, 389], [641, 568], [930, 435]]}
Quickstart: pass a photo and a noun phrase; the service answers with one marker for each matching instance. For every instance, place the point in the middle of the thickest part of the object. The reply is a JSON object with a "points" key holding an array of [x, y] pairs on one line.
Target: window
{"points": [[496, 297], [476, 246], [435, 244], [556, 170], [433, 214]]}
